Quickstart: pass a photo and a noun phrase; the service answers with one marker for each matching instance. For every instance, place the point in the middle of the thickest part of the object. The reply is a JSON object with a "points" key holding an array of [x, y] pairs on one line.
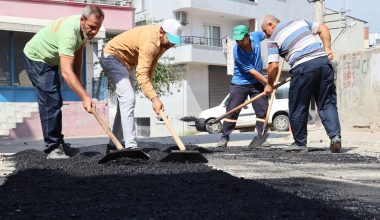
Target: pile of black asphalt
{"points": [[81, 188]]}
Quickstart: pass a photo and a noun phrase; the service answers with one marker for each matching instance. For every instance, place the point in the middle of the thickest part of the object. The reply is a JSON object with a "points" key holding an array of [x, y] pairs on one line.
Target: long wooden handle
{"points": [[272, 95], [172, 132], [249, 101], [108, 131]]}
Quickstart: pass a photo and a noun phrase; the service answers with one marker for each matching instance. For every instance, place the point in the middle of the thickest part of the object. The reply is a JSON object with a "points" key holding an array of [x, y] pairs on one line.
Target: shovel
{"points": [[121, 151], [182, 155], [249, 101], [259, 140]]}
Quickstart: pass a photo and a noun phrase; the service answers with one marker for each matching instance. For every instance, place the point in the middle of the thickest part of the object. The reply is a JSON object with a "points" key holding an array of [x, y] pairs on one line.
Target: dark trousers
{"points": [[313, 78], [238, 95], [48, 83]]}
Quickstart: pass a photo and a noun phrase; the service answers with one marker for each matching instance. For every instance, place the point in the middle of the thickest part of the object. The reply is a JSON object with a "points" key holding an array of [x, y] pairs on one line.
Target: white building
{"points": [[205, 24]]}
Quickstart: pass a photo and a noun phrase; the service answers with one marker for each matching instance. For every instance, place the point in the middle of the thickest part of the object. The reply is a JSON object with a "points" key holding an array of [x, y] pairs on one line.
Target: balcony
{"points": [[195, 40], [233, 9], [102, 2], [119, 14]]}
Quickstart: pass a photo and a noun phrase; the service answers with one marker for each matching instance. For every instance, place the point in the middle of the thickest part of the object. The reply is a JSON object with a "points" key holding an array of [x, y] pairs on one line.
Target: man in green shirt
{"points": [[59, 46]]}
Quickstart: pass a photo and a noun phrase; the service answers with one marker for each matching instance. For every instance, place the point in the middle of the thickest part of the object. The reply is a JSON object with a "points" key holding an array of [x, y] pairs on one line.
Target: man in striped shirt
{"points": [[311, 75]]}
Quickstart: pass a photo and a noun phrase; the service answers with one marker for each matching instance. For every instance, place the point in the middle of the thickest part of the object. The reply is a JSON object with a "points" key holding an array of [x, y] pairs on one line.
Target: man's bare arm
{"points": [[67, 71], [258, 76], [78, 58], [272, 74], [324, 34]]}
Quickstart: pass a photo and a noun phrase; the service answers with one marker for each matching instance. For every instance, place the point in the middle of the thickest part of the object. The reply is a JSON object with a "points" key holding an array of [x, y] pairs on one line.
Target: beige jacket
{"points": [[139, 47]]}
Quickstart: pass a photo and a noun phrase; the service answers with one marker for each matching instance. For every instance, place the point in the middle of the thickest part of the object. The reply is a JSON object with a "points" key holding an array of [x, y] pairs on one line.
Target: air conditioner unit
{"points": [[181, 16]]}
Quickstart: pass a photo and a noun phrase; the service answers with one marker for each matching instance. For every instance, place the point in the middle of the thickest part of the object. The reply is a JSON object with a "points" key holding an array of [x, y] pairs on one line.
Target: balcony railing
{"points": [[103, 2], [201, 41]]}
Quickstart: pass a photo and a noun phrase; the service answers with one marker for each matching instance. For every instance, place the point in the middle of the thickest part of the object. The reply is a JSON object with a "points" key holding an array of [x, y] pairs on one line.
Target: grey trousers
{"points": [[124, 126]]}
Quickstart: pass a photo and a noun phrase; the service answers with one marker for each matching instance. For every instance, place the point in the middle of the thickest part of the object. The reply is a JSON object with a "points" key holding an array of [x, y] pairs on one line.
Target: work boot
{"points": [[294, 147], [68, 150], [57, 153], [222, 143], [335, 144]]}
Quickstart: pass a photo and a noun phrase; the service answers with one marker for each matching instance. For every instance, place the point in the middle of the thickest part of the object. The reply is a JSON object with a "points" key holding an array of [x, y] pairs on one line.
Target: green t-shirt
{"points": [[61, 37]]}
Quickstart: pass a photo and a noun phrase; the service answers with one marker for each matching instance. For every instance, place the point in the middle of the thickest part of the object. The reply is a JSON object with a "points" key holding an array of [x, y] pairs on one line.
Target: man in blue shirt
{"points": [[247, 80], [311, 73]]}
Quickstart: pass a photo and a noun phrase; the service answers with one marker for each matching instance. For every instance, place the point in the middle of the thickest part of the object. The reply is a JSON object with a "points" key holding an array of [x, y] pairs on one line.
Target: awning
{"points": [[31, 25]]}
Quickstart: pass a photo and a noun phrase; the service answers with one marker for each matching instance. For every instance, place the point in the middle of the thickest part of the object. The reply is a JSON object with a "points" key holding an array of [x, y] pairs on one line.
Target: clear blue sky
{"points": [[367, 10]]}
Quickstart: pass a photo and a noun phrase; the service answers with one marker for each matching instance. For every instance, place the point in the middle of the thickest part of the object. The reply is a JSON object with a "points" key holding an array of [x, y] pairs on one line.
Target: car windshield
{"points": [[282, 92]]}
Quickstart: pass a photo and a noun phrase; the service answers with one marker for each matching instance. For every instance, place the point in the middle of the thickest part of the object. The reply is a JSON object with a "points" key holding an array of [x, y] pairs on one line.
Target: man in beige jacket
{"points": [[140, 47]]}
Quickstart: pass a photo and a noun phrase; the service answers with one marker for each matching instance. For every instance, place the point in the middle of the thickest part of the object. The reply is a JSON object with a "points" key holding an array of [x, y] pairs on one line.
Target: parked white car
{"points": [[247, 118]]}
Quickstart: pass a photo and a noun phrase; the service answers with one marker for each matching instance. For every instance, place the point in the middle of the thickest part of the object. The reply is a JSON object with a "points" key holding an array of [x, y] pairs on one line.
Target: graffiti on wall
{"points": [[375, 79], [358, 87]]}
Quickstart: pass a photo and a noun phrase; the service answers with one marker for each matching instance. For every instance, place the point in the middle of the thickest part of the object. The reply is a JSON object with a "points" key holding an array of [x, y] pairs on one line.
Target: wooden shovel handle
{"points": [[249, 101], [108, 131], [273, 94], [172, 132]]}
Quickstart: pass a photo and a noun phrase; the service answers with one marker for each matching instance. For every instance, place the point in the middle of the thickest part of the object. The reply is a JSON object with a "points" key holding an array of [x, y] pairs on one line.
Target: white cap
{"points": [[173, 30]]}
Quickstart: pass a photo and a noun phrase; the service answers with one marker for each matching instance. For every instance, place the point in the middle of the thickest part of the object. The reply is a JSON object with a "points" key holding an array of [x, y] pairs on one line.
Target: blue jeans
{"points": [[313, 78], [48, 83], [238, 95]]}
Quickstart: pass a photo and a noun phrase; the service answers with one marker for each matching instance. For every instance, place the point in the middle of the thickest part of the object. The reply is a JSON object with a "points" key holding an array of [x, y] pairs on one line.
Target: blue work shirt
{"points": [[244, 61]]}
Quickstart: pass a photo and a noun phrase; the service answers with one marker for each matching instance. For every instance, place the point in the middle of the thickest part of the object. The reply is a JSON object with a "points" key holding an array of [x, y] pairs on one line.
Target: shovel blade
{"points": [[258, 141], [184, 157], [130, 153]]}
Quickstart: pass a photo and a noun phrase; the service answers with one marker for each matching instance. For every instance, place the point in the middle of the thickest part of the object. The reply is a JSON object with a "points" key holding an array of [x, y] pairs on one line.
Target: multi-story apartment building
{"points": [[206, 25], [19, 21]]}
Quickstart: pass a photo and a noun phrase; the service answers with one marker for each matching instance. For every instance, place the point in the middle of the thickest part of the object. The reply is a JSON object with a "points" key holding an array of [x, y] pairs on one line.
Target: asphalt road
{"points": [[348, 183]]}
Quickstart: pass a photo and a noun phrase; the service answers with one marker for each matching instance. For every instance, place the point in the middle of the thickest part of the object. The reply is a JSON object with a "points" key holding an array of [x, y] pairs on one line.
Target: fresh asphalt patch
{"points": [[81, 188]]}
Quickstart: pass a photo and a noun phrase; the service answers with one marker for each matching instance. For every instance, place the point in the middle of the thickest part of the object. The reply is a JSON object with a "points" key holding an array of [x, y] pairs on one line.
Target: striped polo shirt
{"points": [[295, 42]]}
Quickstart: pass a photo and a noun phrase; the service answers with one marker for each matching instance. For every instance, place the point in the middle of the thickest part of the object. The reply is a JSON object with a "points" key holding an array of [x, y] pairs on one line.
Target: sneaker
{"points": [[335, 144], [222, 143], [132, 148], [68, 150], [57, 153], [294, 147], [112, 148]]}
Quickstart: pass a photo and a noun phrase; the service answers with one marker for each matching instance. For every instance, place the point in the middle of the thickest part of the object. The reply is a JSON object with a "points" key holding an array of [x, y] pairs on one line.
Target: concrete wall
{"points": [[358, 87], [76, 122]]}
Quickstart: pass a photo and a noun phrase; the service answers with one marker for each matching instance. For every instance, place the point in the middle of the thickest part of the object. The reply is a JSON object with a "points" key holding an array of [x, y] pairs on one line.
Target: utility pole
{"points": [[319, 8]]}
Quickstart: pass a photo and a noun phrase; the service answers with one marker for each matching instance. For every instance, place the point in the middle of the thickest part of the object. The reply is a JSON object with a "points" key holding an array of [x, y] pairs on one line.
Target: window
{"points": [[143, 127], [140, 5], [12, 70], [282, 92], [212, 33], [5, 60]]}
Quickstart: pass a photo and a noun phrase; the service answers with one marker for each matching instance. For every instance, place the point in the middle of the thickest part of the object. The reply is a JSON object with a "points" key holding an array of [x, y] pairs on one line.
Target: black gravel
{"points": [[81, 188]]}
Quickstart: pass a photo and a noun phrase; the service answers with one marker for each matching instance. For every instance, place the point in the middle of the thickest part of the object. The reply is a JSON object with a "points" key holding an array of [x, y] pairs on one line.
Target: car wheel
{"points": [[281, 123], [213, 128]]}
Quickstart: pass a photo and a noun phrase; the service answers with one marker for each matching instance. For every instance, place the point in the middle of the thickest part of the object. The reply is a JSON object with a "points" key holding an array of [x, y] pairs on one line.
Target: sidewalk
{"points": [[353, 141], [360, 142]]}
